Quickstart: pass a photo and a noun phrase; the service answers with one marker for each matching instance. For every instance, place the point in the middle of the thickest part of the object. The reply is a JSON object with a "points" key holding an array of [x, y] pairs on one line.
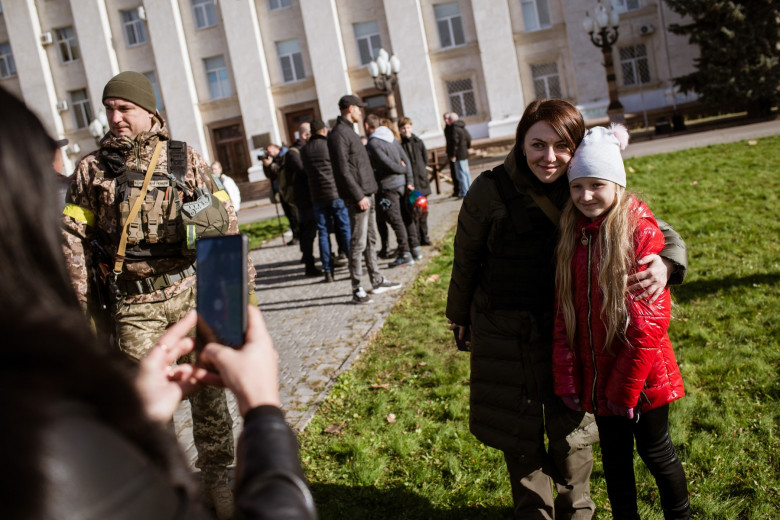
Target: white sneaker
{"points": [[360, 296], [385, 286]]}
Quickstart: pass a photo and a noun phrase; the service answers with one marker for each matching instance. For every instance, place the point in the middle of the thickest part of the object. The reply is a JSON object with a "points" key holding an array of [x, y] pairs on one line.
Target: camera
{"points": [[262, 154]]}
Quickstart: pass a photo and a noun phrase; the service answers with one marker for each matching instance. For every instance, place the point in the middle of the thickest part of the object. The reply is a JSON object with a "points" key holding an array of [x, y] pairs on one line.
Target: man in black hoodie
{"points": [[357, 186], [458, 142]]}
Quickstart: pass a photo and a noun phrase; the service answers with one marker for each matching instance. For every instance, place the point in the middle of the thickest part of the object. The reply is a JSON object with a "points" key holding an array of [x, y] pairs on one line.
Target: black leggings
{"points": [[654, 445]]}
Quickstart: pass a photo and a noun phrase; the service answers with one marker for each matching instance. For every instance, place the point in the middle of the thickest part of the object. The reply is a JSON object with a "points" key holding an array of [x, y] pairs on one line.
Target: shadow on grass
{"points": [[339, 502], [689, 291]]}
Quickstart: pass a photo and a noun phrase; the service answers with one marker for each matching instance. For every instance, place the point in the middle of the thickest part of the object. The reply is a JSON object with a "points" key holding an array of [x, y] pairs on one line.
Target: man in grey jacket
{"points": [[357, 186], [393, 172]]}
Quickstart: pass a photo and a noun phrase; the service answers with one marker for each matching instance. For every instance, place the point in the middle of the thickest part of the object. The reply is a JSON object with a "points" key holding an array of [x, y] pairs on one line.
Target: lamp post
{"points": [[384, 69], [603, 33]]}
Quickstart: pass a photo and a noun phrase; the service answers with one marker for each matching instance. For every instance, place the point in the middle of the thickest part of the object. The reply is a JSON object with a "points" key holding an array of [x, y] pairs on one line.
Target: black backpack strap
{"points": [[510, 197], [177, 160]]}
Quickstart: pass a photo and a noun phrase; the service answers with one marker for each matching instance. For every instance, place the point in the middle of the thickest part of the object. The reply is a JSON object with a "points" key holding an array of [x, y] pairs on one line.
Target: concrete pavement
{"points": [[319, 333]]}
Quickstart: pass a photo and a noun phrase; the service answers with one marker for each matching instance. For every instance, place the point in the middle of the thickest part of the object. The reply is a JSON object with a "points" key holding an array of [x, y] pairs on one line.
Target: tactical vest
{"points": [[519, 272], [166, 225]]}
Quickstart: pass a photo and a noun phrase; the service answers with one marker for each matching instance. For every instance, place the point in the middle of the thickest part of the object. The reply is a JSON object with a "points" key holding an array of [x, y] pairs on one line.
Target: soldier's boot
{"points": [[217, 493]]}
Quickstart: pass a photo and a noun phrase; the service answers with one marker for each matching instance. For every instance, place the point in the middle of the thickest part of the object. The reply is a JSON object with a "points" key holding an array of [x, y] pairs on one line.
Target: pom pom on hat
{"points": [[599, 156]]}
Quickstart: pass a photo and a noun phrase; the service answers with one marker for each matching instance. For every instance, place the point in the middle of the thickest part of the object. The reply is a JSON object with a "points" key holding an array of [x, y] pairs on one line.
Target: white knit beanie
{"points": [[599, 155]]}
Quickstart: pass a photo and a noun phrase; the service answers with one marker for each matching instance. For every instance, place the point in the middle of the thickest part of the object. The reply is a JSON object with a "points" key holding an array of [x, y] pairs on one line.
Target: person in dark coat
{"points": [[458, 143], [418, 155], [357, 187], [326, 204], [295, 172], [502, 290]]}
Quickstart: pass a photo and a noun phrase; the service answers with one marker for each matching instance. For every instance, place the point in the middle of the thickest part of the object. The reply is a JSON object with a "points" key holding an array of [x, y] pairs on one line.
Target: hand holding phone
{"points": [[222, 293]]}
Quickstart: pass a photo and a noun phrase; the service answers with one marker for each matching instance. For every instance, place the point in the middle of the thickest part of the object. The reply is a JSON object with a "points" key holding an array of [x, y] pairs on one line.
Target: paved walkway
{"points": [[319, 333]]}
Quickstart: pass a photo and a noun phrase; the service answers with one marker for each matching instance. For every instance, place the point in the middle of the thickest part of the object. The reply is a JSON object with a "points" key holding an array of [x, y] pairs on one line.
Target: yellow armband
{"points": [[222, 195], [78, 213]]}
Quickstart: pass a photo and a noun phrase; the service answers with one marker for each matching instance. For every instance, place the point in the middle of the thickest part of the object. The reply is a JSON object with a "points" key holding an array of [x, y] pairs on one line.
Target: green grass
{"points": [[264, 230], [723, 201]]}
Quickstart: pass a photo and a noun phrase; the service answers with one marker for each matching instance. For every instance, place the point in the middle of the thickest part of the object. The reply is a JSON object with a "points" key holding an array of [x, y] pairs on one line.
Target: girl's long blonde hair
{"points": [[616, 260]]}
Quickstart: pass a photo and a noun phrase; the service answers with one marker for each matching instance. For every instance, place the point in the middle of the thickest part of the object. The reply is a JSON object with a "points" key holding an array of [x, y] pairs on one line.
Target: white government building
{"points": [[235, 75]]}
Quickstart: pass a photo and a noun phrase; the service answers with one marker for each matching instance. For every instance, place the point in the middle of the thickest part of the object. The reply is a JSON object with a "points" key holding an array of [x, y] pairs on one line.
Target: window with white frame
{"points": [[273, 5], [291, 60], [80, 108], [67, 46], [462, 98], [134, 27], [368, 42], [450, 25], [152, 77], [634, 65], [536, 15], [7, 64], [217, 76], [205, 15], [622, 6], [547, 82]]}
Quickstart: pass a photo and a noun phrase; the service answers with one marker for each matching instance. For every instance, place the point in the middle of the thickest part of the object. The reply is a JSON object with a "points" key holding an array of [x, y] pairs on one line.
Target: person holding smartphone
{"points": [[89, 435]]}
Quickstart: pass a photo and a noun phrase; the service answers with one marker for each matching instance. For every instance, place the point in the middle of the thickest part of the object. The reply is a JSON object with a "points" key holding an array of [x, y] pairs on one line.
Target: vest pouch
{"points": [[206, 216], [134, 230]]}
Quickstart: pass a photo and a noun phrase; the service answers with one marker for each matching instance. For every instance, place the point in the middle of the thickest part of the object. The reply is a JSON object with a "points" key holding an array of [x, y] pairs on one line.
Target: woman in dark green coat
{"points": [[501, 295]]}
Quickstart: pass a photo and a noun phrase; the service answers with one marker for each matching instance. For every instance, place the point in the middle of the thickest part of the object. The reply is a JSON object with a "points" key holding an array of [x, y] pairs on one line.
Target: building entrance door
{"points": [[232, 150], [294, 120]]}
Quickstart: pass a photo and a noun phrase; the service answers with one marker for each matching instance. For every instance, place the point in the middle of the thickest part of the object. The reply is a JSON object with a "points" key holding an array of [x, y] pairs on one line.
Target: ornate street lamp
{"points": [[603, 34], [384, 69]]}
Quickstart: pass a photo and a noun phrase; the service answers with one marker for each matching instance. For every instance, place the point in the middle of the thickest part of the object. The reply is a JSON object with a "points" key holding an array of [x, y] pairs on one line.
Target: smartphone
{"points": [[222, 292]]}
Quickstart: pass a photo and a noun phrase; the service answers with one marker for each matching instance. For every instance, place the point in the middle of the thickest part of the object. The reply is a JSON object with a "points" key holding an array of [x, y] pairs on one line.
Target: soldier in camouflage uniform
{"points": [[156, 285]]}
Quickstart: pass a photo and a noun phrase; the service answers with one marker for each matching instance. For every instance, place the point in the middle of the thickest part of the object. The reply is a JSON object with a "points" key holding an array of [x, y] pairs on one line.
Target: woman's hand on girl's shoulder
{"points": [[649, 284]]}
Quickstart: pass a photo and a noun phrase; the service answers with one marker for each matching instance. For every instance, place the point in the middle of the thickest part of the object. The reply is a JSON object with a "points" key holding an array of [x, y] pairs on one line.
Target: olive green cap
{"points": [[134, 87]]}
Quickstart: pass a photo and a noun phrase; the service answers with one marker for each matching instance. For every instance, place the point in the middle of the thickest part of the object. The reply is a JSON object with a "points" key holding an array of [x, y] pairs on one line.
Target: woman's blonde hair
{"points": [[615, 254]]}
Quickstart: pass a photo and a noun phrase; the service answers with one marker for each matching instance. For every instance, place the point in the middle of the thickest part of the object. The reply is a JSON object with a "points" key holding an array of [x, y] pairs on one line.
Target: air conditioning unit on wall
{"points": [[646, 29], [62, 105], [47, 38], [141, 13]]}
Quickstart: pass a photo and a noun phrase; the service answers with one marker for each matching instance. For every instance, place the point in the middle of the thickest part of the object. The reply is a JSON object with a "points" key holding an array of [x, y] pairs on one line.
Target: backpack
{"points": [[287, 179]]}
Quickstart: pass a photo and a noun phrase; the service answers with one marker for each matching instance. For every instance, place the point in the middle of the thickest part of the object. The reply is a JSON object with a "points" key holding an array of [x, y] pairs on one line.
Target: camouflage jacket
{"points": [[92, 213]]}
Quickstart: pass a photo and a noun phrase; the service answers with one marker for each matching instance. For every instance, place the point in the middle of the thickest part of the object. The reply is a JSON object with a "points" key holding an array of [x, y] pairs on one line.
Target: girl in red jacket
{"points": [[611, 354]]}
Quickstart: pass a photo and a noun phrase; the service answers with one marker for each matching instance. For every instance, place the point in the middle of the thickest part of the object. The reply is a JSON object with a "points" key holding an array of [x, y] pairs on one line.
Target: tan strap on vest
{"points": [[119, 260]]}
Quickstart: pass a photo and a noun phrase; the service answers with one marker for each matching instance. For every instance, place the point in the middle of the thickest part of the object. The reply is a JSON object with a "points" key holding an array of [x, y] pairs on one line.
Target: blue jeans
{"points": [[464, 176], [323, 212]]}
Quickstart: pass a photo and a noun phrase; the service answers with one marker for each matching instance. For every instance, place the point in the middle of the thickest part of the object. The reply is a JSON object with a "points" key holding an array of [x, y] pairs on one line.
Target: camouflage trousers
{"points": [[137, 328]]}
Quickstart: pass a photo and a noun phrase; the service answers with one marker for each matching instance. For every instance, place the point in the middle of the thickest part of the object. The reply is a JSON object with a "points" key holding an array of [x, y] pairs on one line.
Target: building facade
{"points": [[235, 75]]}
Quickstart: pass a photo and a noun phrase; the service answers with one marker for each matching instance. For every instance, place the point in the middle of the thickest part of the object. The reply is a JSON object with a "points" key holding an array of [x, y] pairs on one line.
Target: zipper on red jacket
{"points": [[586, 239]]}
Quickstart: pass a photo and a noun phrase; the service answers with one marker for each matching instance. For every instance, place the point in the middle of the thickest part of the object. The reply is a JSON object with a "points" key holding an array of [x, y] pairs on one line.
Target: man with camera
{"points": [[272, 158], [139, 203]]}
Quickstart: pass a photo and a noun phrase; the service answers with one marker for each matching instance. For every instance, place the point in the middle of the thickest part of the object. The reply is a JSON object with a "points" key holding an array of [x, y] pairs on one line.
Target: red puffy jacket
{"points": [[643, 371]]}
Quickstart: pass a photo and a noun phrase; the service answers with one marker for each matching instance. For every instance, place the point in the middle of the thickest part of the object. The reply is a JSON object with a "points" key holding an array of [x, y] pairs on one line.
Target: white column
{"points": [[415, 80], [32, 64], [502, 79], [250, 75], [95, 43], [174, 73], [326, 53]]}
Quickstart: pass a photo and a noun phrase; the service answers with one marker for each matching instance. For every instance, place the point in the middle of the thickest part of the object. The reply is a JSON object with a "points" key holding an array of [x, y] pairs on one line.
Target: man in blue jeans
{"points": [[458, 141], [326, 203]]}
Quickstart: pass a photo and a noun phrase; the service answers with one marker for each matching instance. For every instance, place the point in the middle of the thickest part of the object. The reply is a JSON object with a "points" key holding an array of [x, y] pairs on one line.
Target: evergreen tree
{"points": [[739, 42]]}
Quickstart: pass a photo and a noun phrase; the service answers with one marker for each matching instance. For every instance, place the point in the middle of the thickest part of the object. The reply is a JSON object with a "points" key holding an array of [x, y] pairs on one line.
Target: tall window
{"points": [[536, 15], [622, 6], [450, 25], [7, 64], [134, 27], [547, 82], [368, 42], [80, 108], [634, 64], [273, 5], [152, 77], [205, 16], [217, 75], [291, 60], [462, 99], [66, 44]]}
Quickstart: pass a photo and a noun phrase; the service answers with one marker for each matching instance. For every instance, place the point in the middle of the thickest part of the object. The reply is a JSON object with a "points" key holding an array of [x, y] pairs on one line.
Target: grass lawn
{"points": [[392, 439], [263, 231]]}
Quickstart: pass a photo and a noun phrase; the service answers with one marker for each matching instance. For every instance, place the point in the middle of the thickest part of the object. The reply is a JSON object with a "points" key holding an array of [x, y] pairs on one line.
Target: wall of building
{"points": [[497, 56]]}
